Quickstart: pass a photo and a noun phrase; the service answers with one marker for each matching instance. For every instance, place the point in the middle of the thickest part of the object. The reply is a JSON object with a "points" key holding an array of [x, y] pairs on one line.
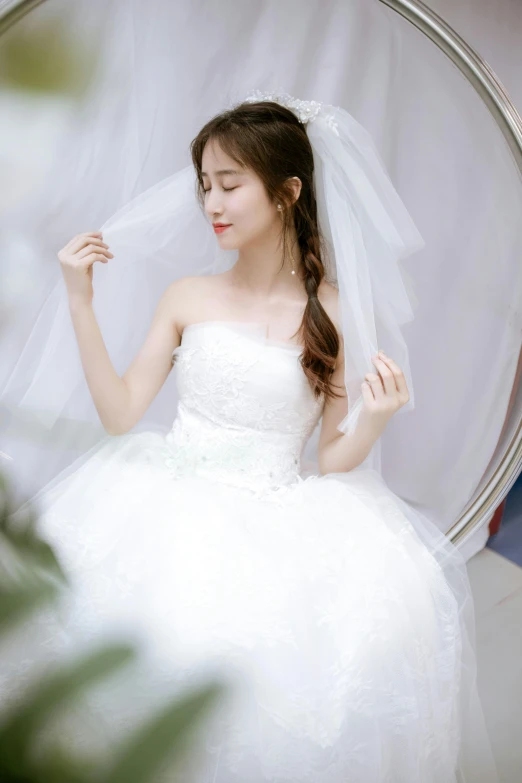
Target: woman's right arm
{"points": [[120, 401]]}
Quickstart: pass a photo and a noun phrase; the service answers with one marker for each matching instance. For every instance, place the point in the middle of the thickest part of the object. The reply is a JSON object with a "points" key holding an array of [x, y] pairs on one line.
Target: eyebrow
{"points": [[222, 171]]}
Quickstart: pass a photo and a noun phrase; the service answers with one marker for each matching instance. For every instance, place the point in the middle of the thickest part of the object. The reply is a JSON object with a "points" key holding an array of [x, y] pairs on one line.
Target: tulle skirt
{"points": [[339, 618]]}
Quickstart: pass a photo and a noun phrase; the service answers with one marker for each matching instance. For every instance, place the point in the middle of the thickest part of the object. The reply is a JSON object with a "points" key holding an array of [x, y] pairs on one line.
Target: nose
{"points": [[212, 204]]}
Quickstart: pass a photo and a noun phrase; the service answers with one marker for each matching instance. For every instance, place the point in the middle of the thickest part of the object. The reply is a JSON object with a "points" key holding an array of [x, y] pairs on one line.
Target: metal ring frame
{"points": [[490, 90]]}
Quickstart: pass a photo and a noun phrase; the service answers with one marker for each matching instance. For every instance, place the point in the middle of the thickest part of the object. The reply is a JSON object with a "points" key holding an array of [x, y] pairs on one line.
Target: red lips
{"points": [[219, 227]]}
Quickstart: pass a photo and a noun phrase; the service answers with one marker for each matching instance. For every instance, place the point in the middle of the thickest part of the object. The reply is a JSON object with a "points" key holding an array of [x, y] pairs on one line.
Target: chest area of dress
{"points": [[235, 376]]}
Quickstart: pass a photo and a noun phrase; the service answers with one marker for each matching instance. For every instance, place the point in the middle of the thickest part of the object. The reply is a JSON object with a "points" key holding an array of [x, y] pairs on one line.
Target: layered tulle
{"points": [[340, 620]]}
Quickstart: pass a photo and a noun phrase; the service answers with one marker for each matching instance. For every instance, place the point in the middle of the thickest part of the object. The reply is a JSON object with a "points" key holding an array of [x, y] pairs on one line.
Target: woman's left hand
{"points": [[383, 393]]}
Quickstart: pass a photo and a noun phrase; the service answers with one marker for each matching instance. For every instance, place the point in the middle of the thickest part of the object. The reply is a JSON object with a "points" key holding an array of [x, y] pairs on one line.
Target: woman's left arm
{"points": [[383, 392]]}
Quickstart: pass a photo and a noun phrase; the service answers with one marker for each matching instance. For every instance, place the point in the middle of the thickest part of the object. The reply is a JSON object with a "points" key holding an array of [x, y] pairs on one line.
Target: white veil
{"points": [[162, 234]]}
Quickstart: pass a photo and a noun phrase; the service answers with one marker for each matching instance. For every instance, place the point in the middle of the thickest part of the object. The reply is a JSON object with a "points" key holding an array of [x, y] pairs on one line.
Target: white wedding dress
{"points": [[316, 598]]}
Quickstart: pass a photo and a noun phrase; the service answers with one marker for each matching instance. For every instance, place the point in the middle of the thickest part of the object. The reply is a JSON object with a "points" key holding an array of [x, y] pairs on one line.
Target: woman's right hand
{"points": [[77, 259]]}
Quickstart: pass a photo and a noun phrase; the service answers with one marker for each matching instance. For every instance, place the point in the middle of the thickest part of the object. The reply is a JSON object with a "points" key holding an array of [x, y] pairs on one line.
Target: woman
{"points": [[336, 611]]}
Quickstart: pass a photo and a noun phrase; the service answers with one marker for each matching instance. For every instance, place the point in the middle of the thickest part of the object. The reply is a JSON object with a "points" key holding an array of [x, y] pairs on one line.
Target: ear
{"points": [[296, 185]]}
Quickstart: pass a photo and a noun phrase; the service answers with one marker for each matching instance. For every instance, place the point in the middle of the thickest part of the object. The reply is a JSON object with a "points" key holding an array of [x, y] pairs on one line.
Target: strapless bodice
{"points": [[246, 409]]}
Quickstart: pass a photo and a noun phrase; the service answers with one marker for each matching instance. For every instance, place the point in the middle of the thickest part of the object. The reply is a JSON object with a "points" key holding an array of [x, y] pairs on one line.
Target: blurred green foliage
{"points": [[46, 58]]}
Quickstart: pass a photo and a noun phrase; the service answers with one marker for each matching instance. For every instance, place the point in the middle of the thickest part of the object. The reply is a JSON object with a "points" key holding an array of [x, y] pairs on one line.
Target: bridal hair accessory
{"points": [[306, 111], [161, 235]]}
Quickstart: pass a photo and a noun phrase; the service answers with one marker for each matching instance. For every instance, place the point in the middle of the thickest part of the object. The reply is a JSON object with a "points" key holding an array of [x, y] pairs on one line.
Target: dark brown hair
{"points": [[270, 139]]}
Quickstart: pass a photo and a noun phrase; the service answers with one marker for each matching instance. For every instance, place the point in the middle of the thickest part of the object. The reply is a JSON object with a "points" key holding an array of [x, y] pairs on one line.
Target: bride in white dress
{"points": [[335, 611]]}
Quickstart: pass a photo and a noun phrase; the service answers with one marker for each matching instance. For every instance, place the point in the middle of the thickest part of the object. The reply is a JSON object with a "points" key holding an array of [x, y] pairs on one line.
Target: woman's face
{"points": [[237, 199]]}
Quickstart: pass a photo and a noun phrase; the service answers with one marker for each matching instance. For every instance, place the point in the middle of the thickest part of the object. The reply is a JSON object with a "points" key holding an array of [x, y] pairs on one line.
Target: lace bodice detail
{"points": [[246, 409]]}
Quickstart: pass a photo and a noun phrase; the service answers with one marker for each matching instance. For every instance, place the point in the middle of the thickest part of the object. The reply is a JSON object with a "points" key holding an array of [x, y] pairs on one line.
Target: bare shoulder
{"points": [[185, 296], [329, 298], [187, 286]]}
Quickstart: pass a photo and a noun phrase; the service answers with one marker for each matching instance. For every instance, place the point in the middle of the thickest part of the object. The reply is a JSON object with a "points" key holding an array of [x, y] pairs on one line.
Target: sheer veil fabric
{"points": [[162, 234]]}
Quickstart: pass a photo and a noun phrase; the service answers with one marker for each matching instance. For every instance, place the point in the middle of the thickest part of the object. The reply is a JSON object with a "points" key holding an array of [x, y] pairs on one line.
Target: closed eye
{"points": [[227, 189]]}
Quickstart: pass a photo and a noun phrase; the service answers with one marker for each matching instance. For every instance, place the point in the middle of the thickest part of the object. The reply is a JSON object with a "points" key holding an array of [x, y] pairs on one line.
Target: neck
{"points": [[260, 271]]}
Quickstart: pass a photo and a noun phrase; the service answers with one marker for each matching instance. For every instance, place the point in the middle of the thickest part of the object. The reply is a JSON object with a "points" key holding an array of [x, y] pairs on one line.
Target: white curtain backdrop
{"points": [[167, 66]]}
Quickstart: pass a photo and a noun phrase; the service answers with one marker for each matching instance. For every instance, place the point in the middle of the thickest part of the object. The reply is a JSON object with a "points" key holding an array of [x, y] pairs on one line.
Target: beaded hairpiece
{"points": [[305, 111]]}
